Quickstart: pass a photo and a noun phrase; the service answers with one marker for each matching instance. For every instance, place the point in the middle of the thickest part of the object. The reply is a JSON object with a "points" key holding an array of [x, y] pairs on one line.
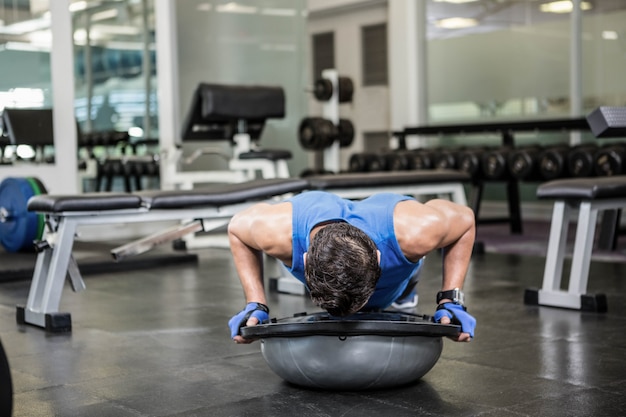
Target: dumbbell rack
{"points": [[507, 130]]}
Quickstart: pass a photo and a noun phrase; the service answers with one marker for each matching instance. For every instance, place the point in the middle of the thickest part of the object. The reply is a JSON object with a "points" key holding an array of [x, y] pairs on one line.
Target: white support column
{"points": [[408, 101], [65, 178], [330, 111], [576, 67], [167, 87]]}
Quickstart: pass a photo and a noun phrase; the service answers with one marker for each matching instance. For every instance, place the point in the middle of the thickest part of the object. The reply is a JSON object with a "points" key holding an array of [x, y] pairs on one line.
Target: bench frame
{"points": [[575, 297], [55, 261]]}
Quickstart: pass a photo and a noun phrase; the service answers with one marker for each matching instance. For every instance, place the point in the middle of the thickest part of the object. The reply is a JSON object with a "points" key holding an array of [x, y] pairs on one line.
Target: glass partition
{"points": [[249, 42], [511, 59]]}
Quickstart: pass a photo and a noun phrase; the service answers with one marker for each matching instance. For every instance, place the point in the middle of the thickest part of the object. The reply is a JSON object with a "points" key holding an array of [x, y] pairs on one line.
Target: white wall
{"points": [[369, 108]]}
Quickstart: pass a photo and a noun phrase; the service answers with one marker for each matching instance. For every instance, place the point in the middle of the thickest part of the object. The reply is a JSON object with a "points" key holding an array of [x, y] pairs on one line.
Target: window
{"points": [[323, 53], [374, 48]]}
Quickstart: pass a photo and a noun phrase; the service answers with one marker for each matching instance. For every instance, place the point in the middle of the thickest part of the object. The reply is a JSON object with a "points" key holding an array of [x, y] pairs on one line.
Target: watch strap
{"points": [[455, 295]]}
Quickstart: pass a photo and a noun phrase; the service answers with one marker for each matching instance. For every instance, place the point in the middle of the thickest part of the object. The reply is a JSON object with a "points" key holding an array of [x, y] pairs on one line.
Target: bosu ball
{"points": [[360, 352]]}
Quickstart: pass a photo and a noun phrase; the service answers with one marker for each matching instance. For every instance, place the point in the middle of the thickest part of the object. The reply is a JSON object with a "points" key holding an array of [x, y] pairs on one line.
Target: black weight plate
{"points": [[19, 227], [346, 89], [323, 89], [380, 324], [345, 133]]}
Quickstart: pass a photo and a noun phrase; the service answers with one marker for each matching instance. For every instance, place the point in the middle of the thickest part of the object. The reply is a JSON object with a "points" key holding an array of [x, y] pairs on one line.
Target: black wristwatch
{"points": [[455, 295]]}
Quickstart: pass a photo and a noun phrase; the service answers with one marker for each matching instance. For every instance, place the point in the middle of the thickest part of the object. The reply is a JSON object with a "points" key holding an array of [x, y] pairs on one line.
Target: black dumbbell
{"points": [[610, 160], [553, 162], [494, 164], [317, 133], [523, 163], [469, 161], [323, 89], [446, 158], [580, 160], [398, 160], [420, 159], [367, 162]]}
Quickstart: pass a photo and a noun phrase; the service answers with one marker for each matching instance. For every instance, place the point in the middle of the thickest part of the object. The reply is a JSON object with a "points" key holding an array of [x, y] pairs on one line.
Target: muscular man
{"points": [[353, 255]]}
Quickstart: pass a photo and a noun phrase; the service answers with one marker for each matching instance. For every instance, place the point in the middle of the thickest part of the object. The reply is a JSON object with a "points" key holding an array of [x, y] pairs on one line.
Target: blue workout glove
{"points": [[257, 310], [457, 315]]}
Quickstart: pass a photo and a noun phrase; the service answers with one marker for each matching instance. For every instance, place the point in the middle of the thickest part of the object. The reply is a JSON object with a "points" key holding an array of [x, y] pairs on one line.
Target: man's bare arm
{"points": [[457, 240]]}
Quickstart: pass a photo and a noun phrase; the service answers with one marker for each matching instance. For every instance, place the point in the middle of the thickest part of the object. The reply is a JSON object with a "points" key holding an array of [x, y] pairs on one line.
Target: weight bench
{"points": [[416, 183], [589, 196], [208, 208], [236, 114]]}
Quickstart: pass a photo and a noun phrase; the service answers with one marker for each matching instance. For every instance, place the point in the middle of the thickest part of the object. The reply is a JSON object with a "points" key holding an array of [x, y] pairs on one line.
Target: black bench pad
{"points": [[46, 203], [381, 179], [584, 188], [221, 195], [233, 102]]}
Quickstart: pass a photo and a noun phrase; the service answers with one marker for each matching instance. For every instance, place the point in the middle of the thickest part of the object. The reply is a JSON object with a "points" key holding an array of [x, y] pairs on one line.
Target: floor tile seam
{"points": [[606, 387], [532, 375]]}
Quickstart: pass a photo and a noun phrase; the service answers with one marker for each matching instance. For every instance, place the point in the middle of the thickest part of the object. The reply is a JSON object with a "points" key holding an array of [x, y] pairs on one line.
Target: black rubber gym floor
{"points": [[154, 342]]}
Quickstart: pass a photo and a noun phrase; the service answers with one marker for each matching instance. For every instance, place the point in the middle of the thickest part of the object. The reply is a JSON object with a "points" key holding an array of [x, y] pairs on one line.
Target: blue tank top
{"points": [[373, 215]]}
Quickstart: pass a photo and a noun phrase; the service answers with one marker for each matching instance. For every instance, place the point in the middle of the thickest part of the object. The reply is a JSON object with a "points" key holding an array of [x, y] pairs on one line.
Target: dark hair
{"points": [[342, 268]]}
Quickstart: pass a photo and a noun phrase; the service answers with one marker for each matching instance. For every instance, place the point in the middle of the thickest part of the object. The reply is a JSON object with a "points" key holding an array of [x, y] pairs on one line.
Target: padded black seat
{"points": [[271, 154], [219, 195], [222, 195], [368, 179], [45, 203], [233, 102], [584, 188]]}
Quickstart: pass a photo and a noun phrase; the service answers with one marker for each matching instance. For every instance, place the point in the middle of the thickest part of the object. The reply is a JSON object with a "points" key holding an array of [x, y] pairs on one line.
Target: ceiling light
{"points": [[78, 6], [563, 6], [610, 35], [456, 23], [234, 7]]}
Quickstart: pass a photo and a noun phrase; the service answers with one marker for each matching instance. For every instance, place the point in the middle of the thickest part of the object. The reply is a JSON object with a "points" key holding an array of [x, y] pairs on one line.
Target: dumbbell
{"points": [[316, 133], [494, 163], [610, 160], [398, 160], [553, 162], [580, 160], [323, 89], [420, 159], [523, 163], [446, 159], [367, 162], [469, 161]]}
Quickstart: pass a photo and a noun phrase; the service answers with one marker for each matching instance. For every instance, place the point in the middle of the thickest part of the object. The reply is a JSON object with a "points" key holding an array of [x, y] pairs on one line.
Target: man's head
{"points": [[341, 268]]}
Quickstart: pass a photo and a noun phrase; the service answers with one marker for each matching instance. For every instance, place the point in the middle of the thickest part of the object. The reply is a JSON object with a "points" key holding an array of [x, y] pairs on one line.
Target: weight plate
{"points": [[323, 89], [345, 133], [346, 89], [18, 226], [39, 189]]}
